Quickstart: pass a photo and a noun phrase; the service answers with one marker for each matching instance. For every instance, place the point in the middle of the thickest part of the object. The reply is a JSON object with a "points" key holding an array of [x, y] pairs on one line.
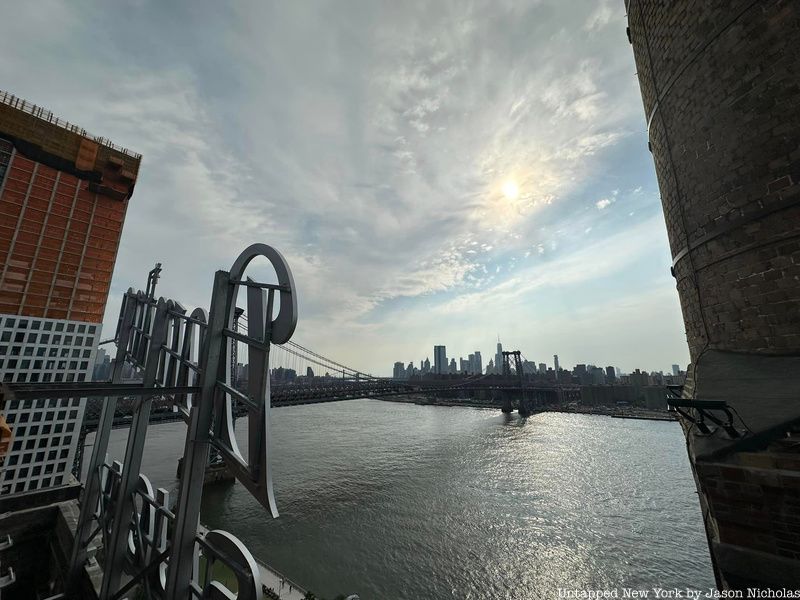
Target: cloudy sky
{"points": [[437, 172]]}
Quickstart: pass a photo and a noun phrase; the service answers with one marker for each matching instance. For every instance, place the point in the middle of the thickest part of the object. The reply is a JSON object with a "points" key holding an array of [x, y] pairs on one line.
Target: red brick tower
{"points": [[720, 81]]}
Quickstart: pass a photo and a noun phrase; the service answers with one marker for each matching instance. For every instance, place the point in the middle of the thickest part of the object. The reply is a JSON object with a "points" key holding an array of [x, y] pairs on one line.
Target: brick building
{"points": [[63, 198], [721, 92]]}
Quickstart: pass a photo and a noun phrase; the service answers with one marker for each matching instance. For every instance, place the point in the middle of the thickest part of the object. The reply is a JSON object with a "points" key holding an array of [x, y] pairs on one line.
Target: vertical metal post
{"points": [[124, 505], [187, 511], [92, 487]]}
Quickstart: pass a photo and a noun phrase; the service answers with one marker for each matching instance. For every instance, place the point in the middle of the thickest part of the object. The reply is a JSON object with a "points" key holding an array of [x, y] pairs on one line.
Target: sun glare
{"points": [[511, 190]]}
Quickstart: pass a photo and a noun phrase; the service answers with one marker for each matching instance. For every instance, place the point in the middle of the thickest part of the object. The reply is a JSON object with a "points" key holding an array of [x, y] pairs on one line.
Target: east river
{"points": [[396, 501]]}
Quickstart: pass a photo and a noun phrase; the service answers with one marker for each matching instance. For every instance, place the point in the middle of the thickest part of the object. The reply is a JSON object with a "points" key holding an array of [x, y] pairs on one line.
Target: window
{"points": [[70, 327], [32, 337], [19, 337], [36, 325], [6, 148], [45, 338], [6, 337], [81, 328], [59, 327], [48, 326], [23, 324]]}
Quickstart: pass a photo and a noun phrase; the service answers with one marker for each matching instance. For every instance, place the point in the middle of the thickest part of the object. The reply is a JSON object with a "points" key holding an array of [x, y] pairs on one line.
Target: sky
{"points": [[435, 172]]}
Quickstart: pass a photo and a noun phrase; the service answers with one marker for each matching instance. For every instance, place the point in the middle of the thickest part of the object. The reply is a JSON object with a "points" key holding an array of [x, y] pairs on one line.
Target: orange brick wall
{"points": [[58, 243]]}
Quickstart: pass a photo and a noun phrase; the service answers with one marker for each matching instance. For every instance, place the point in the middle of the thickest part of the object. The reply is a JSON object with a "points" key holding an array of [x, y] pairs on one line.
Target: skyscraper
{"points": [[555, 365], [478, 363], [63, 199], [676, 370], [398, 372], [498, 358], [440, 365]]}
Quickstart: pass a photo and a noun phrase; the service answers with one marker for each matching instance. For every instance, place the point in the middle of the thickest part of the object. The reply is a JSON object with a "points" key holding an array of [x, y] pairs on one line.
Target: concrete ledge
{"points": [[26, 500]]}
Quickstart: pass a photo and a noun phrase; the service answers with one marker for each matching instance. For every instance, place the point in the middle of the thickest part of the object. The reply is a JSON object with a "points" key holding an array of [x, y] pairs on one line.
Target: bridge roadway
{"points": [[336, 390]]}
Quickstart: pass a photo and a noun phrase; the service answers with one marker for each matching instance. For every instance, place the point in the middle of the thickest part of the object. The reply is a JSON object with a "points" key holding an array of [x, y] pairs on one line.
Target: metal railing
{"points": [[42, 113]]}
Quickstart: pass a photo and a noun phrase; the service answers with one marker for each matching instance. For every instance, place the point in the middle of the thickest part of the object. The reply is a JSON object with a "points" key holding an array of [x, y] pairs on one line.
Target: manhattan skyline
{"points": [[437, 173]]}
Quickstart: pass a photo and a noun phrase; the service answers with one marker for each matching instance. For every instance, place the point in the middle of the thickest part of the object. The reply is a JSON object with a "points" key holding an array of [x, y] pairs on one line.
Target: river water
{"points": [[399, 501]]}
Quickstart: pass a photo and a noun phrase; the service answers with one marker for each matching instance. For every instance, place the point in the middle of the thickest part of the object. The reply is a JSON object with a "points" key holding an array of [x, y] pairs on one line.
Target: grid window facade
{"points": [[45, 432]]}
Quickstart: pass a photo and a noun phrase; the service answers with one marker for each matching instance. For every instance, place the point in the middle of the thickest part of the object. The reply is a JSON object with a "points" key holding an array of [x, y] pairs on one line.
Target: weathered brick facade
{"points": [[720, 81]]}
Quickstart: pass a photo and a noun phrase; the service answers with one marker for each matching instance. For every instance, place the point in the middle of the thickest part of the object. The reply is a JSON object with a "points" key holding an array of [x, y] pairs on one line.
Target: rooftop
{"points": [[42, 113]]}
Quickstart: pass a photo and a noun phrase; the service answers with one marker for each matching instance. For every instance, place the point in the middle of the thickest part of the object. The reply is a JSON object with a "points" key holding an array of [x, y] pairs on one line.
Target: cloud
{"points": [[368, 144], [603, 203]]}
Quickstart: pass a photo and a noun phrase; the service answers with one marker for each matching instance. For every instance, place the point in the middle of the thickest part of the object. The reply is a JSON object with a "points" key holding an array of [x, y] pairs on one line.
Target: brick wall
{"points": [[720, 80]]}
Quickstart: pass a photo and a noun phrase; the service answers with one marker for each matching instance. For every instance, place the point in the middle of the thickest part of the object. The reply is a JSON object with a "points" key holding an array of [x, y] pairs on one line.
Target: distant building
{"points": [[676, 370], [309, 372], [464, 365], [409, 370], [542, 368], [63, 199], [453, 367], [597, 375], [102, 366], [611, 375], [490, 367], [528, 367], [440, 360], [478, 363], [498, 358], [399, 371], [426, 366]]}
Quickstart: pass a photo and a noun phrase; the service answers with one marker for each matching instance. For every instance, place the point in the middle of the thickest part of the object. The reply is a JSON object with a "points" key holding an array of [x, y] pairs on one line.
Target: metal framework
{"points": [[187, 358]]}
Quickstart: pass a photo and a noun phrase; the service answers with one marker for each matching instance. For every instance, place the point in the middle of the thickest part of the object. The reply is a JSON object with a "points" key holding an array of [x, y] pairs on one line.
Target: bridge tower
{"points": [[720, 89]]}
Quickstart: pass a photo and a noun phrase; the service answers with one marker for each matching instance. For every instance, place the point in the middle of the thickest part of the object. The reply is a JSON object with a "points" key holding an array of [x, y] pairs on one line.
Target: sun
{"points": [[511, 190]]}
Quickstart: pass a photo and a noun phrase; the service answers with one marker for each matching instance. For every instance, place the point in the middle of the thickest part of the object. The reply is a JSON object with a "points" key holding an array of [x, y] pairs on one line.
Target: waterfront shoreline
{"points": [[634, 413]]}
